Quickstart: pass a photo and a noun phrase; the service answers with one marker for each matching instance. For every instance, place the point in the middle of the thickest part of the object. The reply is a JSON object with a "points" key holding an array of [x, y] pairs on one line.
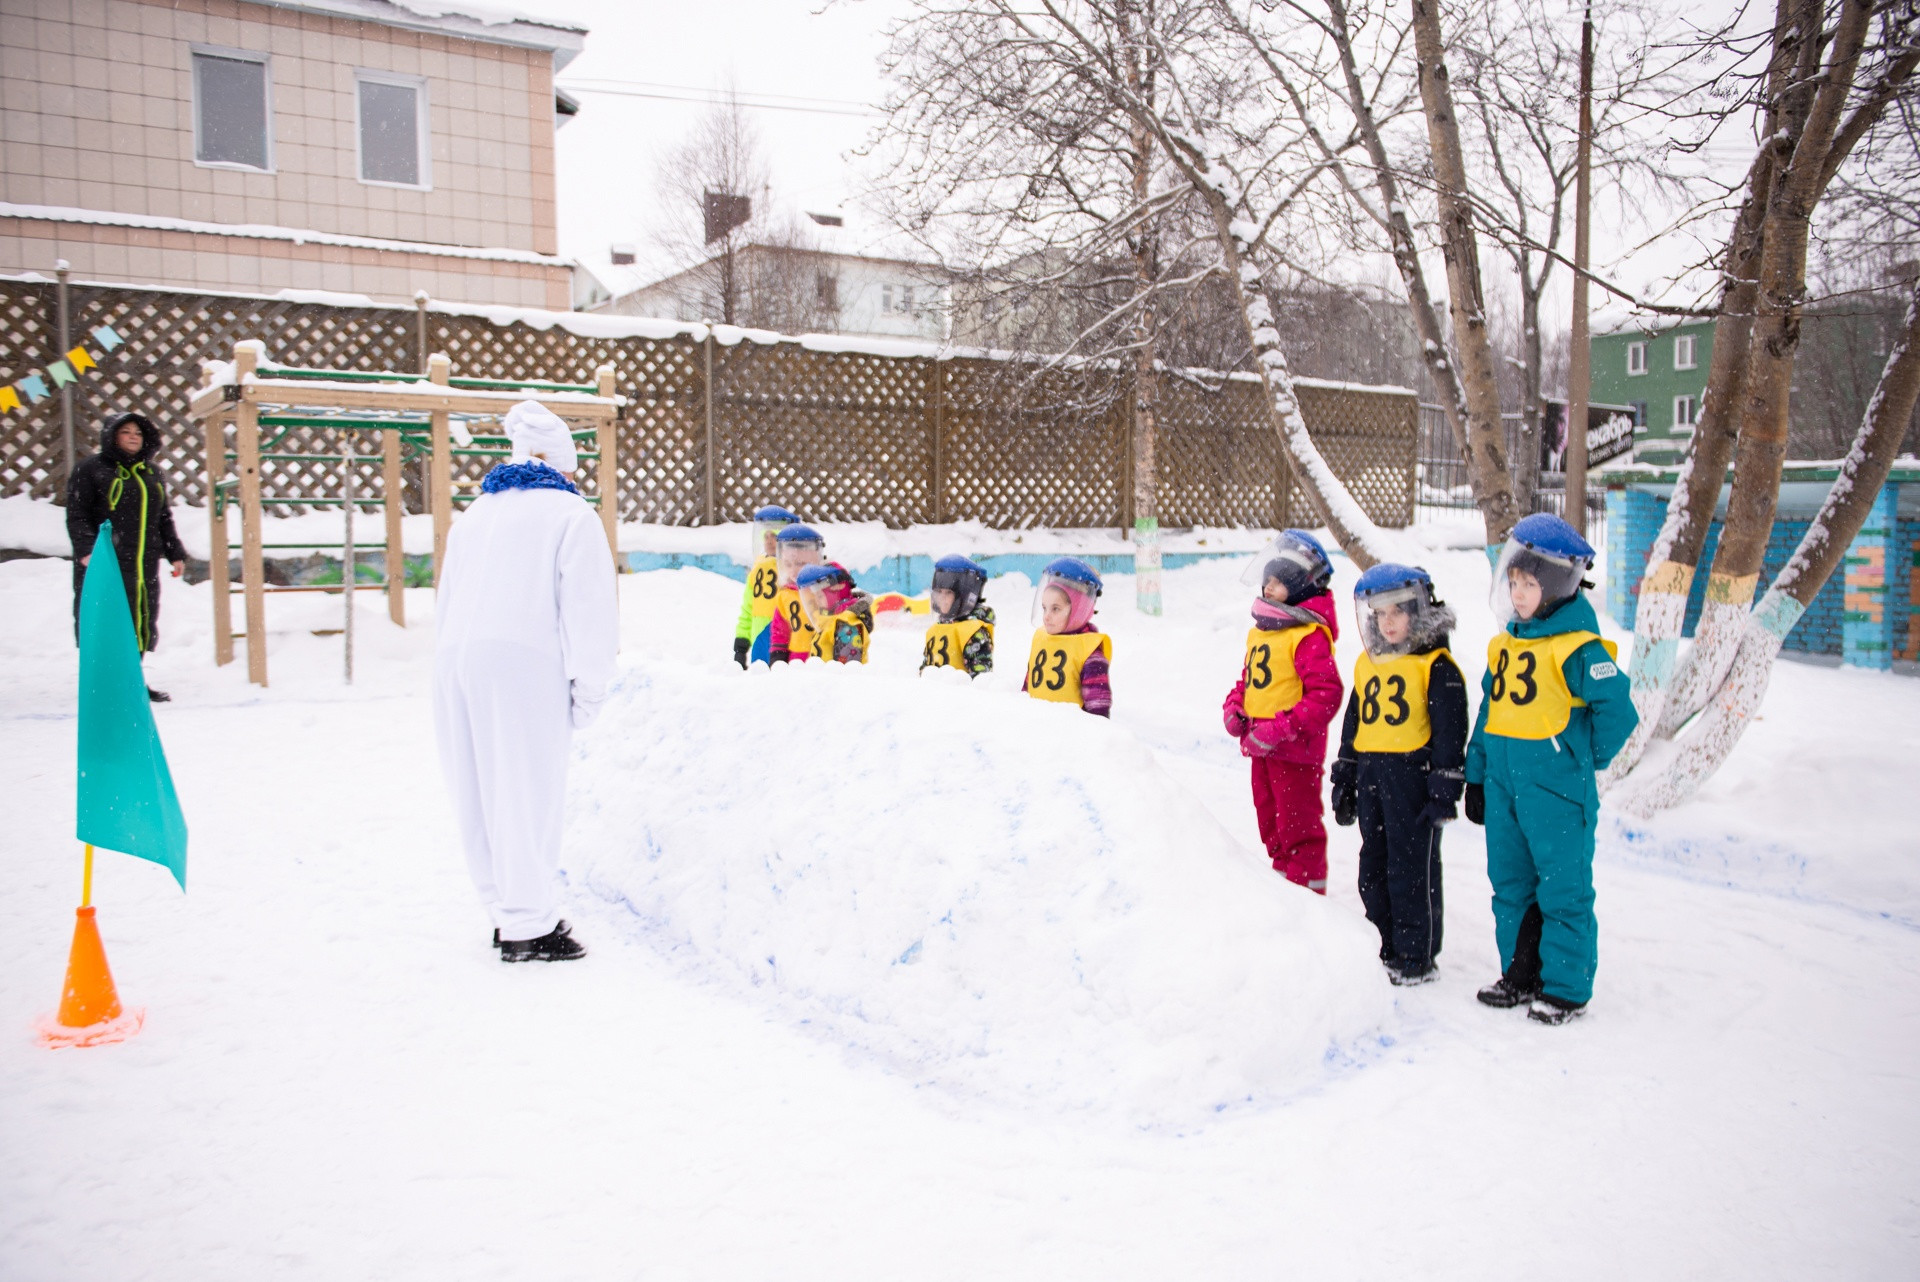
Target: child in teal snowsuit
{"points": [[1555, 708]]}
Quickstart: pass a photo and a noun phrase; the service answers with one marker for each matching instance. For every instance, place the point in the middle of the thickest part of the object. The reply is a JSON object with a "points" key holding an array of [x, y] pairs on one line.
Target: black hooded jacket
{"points": [[111, 487]]}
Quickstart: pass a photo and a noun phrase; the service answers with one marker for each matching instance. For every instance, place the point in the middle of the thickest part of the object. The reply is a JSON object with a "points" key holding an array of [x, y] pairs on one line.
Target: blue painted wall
{"points": [[913, 575], [1633, 521]]}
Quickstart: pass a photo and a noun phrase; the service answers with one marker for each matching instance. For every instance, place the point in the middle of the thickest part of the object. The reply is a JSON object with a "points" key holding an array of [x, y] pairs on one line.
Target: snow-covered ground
{"points": [[895, 979]]}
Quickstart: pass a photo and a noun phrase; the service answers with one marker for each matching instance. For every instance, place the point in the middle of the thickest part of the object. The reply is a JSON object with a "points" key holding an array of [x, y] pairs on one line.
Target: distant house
{"points": [[360, 146], [1663, 375], [795, 289]]}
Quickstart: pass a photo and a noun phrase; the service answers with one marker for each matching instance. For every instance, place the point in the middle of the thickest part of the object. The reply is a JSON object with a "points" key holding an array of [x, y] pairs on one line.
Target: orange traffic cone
{"points": [[90, 1011]]}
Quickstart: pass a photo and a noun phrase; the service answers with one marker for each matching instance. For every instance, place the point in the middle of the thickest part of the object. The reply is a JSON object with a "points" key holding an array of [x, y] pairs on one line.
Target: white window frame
{"points": [[266, 76], [423, 124], [1685, 343], [1685, 426], [1636, 359]]}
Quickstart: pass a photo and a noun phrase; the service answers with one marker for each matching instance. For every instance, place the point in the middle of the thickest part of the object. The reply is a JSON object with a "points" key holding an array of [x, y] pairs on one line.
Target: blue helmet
{"points": [[1297, 560], [773, 514], [963, 577], [1387, 576], [1548, 550], [797, 533], [825, 573], [1074, 570], [1545, 532]]}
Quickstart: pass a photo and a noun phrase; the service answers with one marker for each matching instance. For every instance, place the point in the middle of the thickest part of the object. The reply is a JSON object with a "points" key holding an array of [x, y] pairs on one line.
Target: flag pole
{"points": [[86, 879]]}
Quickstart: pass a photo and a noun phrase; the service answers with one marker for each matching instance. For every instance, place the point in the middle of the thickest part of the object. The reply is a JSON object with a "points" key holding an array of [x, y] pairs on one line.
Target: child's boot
{"points": [[1552, 1010]]}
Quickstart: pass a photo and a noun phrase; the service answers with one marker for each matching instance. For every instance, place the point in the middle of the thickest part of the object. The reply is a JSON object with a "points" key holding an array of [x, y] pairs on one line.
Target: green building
{"points": [[1662, 374]]}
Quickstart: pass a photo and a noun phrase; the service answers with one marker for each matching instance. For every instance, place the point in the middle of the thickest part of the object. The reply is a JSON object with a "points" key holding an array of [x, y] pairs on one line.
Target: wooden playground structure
{"points": [[422, 415]]}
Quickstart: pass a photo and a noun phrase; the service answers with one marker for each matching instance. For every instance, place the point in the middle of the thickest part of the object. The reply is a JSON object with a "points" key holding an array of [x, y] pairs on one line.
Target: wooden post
{"points": [[706, 384], [64, 342], [1579, 371], [393, 493], [440, 466], [608, 473], [349, 567], [1282, 482], [252, 568], [936, 429], [1129, 423], [217, 551]]}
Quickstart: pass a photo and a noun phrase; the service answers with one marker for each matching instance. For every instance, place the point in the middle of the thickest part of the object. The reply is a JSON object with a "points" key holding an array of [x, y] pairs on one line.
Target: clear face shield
{"points": [[763, 536], [1388, 620], [1526, 581], [1061, 604], [1285, 562], [954, 594], [795, 556], [822, 599]]}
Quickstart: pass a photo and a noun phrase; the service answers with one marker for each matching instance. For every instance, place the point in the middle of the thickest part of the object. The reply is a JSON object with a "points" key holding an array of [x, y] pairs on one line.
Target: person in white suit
{"points": [[528, 626]]}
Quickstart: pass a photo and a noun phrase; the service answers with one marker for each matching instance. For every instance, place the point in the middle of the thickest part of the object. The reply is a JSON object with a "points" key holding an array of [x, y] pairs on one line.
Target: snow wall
{"points": [[1009, 899]]}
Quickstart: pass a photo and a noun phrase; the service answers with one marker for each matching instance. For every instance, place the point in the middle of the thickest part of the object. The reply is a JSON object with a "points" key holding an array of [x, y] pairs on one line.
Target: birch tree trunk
{"points": [[1146, 270], [1460, 248], [1862, 475], [1815, 102]]}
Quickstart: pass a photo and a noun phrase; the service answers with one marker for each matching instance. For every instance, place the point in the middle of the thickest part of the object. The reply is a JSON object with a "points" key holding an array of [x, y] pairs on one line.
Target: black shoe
{"points": [[1411, 976], [1506, 994], [557, 944], [1551, 1010], [158, 696], [496, 939]]}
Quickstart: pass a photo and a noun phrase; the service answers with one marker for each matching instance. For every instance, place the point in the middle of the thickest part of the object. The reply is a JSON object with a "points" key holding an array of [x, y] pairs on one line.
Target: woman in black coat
{"points": [[119, 487]]}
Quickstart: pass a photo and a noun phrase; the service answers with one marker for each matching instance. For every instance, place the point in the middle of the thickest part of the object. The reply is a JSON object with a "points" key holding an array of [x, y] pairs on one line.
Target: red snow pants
{"points": [[1286, 797]]}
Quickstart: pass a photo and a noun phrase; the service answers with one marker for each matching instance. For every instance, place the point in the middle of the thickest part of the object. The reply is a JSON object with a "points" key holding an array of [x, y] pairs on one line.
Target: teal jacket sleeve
{"points": [[1593, 675], [1477, 745]]}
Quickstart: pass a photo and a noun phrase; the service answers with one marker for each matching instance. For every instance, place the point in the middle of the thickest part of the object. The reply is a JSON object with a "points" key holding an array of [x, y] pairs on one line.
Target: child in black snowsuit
{"points": [[1400, 772]]}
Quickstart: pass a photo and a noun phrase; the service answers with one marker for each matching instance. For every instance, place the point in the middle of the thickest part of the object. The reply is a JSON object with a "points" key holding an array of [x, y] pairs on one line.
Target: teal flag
{"points": [[124, 798]]}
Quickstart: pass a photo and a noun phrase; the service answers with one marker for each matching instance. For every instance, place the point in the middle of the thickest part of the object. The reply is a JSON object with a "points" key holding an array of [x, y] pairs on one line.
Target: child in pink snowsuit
{"points": [[1287, 696]]}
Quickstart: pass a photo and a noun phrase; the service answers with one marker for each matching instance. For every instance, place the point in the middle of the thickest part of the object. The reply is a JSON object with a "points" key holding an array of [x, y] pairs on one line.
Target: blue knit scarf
{"points": [[525, 476]]}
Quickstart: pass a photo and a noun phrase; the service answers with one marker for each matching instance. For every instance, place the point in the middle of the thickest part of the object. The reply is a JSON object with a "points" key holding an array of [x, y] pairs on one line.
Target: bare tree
{"points": [[1518, 86], [741, 260], [1824, 90]]}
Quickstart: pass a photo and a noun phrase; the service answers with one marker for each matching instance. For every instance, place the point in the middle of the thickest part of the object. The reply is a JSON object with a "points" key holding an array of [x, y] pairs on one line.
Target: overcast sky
{"points": [[824, 57]]}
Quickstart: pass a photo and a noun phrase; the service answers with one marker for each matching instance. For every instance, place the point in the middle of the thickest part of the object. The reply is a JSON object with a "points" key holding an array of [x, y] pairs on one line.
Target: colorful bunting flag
{"points": [[63, 372]]}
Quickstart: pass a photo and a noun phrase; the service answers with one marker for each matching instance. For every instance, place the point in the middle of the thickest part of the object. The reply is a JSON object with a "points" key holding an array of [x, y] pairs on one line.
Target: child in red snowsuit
{"points": [[1288, 694]]}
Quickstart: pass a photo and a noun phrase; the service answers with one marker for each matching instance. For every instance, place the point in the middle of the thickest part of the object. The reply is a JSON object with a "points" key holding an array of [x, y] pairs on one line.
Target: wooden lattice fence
{"points": [[712, 428]]}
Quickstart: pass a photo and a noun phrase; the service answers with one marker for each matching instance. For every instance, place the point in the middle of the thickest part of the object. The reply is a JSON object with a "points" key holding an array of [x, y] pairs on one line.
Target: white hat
{"points": [[535, 429]]}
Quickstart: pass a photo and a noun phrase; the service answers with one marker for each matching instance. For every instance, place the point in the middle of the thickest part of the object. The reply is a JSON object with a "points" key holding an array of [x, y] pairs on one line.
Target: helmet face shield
{"points": [[796, 555], [955, 593], [1526, 581], [1062, 603], [824, 595], [1293, 561], [1389, 620]]}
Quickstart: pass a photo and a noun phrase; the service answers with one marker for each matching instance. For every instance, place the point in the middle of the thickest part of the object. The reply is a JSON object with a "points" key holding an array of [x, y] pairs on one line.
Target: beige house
{"points": [[359, 146]]}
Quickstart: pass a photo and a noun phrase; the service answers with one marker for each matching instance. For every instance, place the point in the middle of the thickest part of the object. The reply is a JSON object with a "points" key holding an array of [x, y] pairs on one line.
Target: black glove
{"points": [[1476, 804], [1346, 804], [740, 647], [1438, 812]]}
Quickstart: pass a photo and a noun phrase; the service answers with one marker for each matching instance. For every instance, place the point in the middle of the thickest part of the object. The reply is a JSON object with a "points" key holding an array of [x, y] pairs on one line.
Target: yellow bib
{"points": [[763, 585], [1054, 663], [947, 642], [1273, 685], [822, 643], [1528, 697], [786, 602], [1393, 701]]}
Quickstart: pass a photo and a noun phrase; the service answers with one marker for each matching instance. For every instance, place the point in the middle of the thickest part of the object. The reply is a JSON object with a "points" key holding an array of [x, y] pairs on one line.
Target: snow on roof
{"points": [[563, 36], [263, 231]]}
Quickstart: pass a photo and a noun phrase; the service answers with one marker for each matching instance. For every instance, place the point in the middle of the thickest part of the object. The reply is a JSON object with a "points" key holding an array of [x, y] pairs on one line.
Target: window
{"points": [[1685, 410], [1683, 352], [391, 115], [1639, 413], [1636, 358], [231, 109], [826, 291]]}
